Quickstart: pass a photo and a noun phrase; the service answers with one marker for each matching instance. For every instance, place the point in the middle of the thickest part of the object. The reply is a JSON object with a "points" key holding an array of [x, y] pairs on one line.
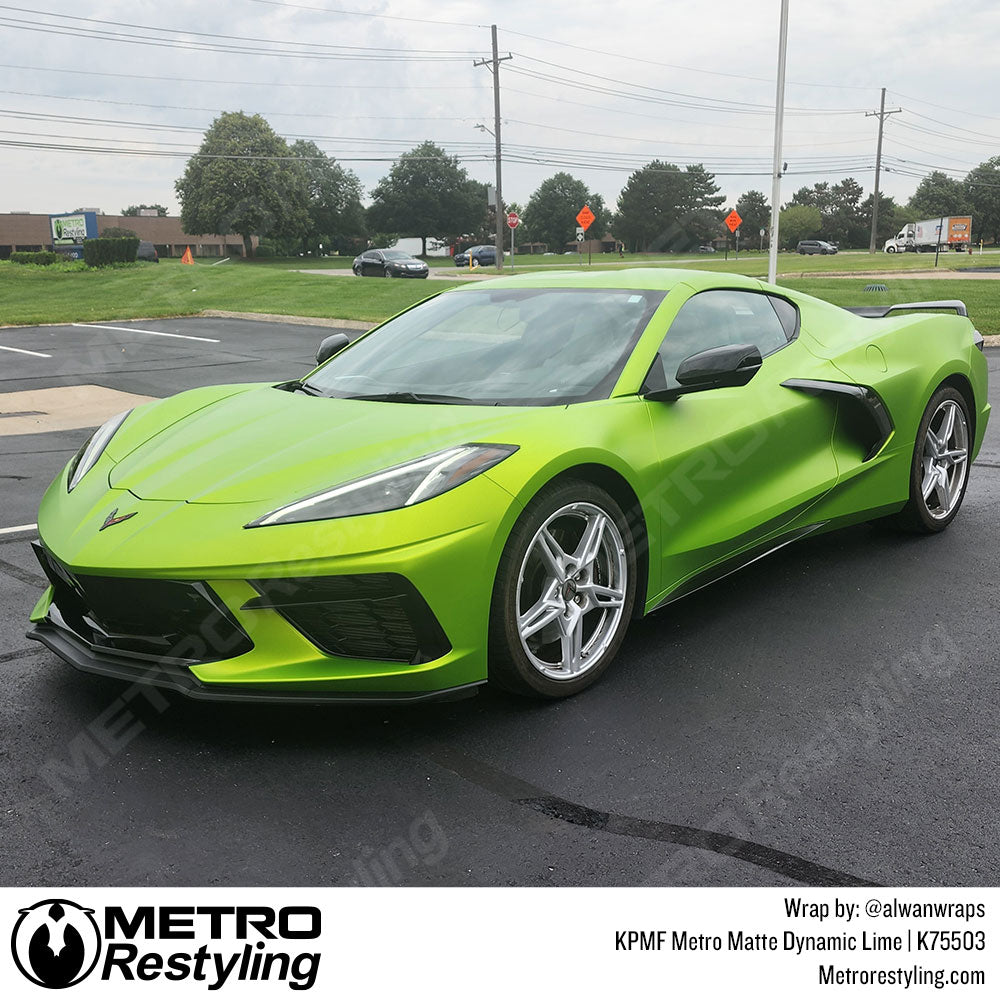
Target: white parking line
{"points": [[152, 333], [21, 350], [17, 528]]}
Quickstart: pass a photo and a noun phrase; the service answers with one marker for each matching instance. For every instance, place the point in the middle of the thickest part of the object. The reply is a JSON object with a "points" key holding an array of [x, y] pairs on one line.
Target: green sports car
{"points": [[491, 485]]}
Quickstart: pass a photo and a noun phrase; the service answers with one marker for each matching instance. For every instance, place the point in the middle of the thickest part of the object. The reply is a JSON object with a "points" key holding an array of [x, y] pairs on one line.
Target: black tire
{"points": [[509, 664], [356, 270], [917, 517]]}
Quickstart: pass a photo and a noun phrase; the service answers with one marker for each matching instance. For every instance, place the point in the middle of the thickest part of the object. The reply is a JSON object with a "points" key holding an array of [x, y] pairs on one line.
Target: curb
{"points": [[344, 324]]}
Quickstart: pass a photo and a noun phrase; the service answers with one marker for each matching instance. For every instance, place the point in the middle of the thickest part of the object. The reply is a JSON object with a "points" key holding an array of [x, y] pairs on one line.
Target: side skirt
{"points": [[735, 563]]}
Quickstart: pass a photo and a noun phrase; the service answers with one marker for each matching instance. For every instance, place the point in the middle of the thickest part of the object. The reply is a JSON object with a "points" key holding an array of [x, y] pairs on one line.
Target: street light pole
{"points": [[779, 122]]}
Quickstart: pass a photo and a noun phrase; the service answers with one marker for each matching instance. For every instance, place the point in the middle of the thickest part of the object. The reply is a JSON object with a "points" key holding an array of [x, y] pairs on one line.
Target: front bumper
{"points": [[441, 589], [171, 677]]}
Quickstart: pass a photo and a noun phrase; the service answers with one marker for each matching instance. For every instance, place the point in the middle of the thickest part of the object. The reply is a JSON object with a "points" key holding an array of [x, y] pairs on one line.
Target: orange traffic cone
{"points": [[187, 258]]}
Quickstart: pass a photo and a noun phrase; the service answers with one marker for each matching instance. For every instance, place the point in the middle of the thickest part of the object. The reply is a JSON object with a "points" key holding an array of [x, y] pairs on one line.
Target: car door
{"points": [[739, 467]]}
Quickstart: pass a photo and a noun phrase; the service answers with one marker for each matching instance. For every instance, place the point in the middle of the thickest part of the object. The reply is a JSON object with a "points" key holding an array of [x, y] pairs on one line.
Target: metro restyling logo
{"points": [[57, 943]]}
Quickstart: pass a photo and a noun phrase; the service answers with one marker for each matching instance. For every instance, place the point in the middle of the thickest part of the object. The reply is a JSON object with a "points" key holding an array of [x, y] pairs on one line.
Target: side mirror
{"points": [[716, 368], [330, 346]]}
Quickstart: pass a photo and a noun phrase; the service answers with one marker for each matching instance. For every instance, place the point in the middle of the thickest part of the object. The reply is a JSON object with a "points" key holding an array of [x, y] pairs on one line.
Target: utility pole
{"points": [[881, 113], [779, 124], [494, 65]]}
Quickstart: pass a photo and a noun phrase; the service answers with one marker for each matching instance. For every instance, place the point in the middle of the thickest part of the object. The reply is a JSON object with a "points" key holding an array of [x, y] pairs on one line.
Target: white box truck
{"points": [[922, 237]]}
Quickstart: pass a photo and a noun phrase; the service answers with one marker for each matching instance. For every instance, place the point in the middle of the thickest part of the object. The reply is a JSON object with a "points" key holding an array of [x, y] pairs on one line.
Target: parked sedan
{"points": [[389, 264], [481, 255]]}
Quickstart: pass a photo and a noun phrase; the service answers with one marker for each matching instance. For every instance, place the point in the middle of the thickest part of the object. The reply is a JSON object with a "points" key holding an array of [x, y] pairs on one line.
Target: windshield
{"points": [[395, 255], [512, 346]]}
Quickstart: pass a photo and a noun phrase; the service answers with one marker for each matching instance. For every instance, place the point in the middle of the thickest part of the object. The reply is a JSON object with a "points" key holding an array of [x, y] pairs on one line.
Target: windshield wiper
{"points": [[412, 397]]}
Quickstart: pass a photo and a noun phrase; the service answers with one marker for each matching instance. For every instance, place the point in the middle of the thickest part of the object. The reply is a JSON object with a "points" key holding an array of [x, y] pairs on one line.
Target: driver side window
{"points": [[720, 318]]}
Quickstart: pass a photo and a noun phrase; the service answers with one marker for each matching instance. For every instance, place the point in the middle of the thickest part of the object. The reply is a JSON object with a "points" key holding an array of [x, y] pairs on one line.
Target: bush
{"points": [[117, 232], [263, 250], [101, 252], [36, 257]]}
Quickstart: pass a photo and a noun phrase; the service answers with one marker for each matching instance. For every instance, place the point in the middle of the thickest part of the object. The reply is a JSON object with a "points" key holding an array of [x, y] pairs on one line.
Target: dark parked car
{"points": [[481, 255], [147, 251], [815, 246], [389, 264]]}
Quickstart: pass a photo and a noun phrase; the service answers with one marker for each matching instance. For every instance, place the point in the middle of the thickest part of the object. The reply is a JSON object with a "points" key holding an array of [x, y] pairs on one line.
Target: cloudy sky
{"points": [[595, 89]]}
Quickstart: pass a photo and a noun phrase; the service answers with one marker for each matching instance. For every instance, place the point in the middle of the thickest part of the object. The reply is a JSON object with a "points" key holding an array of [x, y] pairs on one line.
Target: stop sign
{"points": [[513, 220]]}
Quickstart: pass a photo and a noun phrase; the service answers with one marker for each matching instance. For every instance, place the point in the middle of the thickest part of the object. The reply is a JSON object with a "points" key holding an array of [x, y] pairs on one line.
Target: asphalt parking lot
{"points": [[827, 716]]}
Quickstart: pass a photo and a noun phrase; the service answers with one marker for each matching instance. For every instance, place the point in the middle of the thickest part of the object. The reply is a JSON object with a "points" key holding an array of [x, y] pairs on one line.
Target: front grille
{"points": [[376, 616], [172, 621]]}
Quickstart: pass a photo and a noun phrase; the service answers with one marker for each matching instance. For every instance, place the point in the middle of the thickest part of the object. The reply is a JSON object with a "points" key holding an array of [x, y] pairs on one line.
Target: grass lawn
{"points": [[981, 297], [30, 295]]}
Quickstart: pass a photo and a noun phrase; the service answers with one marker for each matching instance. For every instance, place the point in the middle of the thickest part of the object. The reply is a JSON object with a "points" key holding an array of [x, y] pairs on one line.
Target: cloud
{"points": [[666, 81]]}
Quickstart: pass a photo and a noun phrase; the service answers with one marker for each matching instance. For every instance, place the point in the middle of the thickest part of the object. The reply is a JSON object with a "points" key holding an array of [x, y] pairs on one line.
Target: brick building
{"points": [[28, 231]]}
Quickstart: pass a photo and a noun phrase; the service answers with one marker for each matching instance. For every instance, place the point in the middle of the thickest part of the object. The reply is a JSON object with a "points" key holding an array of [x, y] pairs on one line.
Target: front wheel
{"points": [[939, 471], [564, 592], [890, 249], [357, 270]]}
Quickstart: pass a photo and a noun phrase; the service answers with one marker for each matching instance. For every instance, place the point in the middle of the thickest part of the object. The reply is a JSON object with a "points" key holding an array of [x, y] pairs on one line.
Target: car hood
{"points": [[266, 444]]}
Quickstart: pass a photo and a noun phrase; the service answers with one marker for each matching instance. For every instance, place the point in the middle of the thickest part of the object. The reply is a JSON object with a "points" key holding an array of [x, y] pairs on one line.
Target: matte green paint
{"points": [[715, 473]]}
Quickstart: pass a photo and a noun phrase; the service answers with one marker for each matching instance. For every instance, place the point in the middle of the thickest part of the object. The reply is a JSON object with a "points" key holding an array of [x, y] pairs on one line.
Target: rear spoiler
{"points": [[879, 312]]}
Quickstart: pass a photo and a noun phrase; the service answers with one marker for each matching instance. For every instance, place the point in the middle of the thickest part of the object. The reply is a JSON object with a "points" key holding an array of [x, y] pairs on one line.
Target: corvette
{"points": [[491, 485]]}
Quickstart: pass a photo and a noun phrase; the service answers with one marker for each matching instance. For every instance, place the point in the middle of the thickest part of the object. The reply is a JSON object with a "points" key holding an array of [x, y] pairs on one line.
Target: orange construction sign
{"points": [[733, 220], [585, 217], [187, 258]]}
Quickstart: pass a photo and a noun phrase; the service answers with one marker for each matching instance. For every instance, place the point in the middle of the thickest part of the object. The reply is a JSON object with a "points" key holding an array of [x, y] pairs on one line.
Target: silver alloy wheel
{"points": [[571, 591], [945, 459]]}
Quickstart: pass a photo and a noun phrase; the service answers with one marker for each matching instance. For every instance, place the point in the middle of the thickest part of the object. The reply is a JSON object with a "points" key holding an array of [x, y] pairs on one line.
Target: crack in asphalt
{"points": [[19, 654], [522, 793], [24, 575]]}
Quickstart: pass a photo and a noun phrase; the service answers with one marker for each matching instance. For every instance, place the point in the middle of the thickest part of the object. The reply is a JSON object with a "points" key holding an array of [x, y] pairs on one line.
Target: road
{"points": [[827, 716]]}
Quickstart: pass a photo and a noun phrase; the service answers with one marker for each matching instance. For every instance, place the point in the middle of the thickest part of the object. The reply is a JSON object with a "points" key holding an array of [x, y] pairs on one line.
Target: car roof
{"points": [[650, 278]]}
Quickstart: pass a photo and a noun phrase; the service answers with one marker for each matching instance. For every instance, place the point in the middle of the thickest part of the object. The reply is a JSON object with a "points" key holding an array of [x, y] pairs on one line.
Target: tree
{"points": [[755, 210], [982, 185], [818, 196], [553, 209], [891, 218], [336, 217], [664, 207], [427, 193], [845, 222], [243, 181], [799, 222], [117, 232], [938, 194], [134, 209]]}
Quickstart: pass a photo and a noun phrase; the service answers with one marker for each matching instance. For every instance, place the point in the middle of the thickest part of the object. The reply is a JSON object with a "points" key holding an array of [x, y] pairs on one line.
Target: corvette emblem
{"points": [[113, 518]]}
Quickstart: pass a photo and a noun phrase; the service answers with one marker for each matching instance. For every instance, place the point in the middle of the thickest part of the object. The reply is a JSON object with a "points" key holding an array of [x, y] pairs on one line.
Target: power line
{"points": [[238, 38], [271, 85], [196, 46], [220, 111], [663, 65]]}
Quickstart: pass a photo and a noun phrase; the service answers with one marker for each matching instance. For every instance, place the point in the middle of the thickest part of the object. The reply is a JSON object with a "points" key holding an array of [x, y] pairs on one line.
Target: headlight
{"points": [[86, 458], [401, 486]]}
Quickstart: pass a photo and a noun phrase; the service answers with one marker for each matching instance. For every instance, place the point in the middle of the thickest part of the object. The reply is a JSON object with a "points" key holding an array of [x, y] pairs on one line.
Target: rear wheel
{"points": [[939, 471], [564, 592]]}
